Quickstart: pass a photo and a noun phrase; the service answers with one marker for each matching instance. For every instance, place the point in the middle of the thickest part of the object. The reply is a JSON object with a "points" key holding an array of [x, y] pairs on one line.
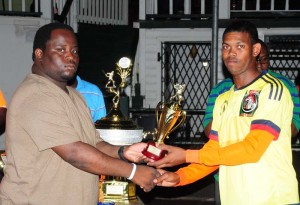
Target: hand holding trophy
{"points": [[170, 118]]}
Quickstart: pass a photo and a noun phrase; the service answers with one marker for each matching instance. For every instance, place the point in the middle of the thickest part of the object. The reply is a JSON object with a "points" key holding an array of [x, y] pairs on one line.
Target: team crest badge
{"points": [[249, 103]]}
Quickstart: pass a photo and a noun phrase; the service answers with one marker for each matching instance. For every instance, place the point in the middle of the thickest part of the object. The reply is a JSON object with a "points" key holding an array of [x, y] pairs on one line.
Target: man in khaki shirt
{"points": [[54, 153]]}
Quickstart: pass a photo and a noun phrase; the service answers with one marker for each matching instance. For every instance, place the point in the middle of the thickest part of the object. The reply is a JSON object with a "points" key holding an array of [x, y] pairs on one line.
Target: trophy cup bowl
{"points": [[170, 118], [116, 129]]}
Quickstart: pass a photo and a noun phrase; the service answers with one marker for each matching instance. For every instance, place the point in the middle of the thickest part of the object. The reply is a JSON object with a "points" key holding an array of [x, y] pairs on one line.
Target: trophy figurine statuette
{"points": [[116, 129], [170, 118]]}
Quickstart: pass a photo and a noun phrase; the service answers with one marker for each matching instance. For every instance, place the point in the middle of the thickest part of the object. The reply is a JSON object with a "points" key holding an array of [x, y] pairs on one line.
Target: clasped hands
{"points": [[174, 156]]}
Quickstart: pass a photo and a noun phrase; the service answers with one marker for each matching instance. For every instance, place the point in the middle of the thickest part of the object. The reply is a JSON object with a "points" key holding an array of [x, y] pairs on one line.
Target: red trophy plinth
{"points": [[171, 117], [153, 152]]}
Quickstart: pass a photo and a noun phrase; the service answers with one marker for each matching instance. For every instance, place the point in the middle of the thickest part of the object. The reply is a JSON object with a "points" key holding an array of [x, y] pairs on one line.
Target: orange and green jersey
{"points": [[250, 141]]}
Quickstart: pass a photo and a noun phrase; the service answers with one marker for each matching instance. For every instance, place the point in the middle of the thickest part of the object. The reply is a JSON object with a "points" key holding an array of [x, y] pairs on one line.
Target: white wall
{"points": [[15, 54], [16, 41]]}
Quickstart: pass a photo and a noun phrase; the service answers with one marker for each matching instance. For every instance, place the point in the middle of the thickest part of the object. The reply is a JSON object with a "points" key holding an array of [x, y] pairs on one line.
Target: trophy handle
{"points": [[157, 109], [183, 117]]}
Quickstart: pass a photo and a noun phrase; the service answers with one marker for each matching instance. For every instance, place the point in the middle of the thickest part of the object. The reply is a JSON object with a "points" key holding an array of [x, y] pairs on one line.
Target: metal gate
{"points": [[284, 54], [187, 63]]}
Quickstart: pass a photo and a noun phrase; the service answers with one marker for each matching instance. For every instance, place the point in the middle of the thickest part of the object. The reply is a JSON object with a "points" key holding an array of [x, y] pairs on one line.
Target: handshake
{"points": [[149, 173]]}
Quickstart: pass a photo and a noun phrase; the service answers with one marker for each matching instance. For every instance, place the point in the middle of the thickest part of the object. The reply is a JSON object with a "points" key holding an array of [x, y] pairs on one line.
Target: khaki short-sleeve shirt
{"points": [[42, 116]]}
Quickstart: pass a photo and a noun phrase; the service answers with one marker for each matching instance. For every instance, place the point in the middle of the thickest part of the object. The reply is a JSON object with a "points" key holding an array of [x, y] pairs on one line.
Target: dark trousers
{"points": [[217, 193]]}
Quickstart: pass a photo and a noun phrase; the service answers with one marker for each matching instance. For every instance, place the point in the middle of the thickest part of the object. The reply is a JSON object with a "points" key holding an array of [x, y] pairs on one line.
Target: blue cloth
{"points": [[93, 97], [106, 203]]}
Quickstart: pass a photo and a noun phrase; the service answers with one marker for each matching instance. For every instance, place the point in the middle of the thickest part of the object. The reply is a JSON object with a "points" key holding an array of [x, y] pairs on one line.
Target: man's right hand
{"points": [[144, 177]]}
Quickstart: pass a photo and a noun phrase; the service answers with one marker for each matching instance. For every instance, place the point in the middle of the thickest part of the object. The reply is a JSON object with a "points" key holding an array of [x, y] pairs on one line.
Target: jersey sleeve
{"points": [[247, 151], [194, 172], [295, 97], [209, 107], [208, 159], [274, 103], [2, 100], [218, 89], [296, 101]]}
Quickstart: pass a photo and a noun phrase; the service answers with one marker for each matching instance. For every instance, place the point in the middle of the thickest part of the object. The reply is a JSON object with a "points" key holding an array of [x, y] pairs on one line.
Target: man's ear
{"points": [[38, 53], [298, 88], [256, 49]]}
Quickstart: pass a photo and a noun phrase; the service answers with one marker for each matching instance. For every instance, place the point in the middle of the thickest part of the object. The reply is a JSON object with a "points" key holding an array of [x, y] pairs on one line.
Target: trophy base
{"points": [[116, 189], [152, 152]]}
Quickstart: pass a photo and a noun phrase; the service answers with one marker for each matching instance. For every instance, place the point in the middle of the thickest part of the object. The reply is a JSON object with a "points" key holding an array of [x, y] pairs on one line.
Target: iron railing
{"points": [[116, 12], [188, 9], [20, 8], [284, 54]]}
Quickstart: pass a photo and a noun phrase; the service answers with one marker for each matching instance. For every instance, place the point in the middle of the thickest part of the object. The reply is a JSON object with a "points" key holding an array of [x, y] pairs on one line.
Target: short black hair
{"points": [[43, 34], [243, 26]]}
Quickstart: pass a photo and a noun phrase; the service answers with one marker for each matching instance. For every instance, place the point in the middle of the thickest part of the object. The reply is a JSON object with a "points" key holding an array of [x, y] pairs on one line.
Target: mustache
{"points": [[231, 59], [71, 62]]}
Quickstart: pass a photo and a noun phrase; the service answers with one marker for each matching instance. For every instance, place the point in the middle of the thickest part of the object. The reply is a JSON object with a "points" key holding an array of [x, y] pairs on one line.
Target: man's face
{"points": [[60, 58], [238, 52], [263, 59]]}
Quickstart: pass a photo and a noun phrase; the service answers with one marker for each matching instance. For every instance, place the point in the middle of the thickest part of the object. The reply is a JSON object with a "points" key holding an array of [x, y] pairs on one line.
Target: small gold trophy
{"points": [[170, 118]]}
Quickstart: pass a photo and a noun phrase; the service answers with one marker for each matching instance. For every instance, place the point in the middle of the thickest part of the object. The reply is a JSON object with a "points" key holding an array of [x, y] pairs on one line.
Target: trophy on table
{"points": [[169, 117], [115, 128]]}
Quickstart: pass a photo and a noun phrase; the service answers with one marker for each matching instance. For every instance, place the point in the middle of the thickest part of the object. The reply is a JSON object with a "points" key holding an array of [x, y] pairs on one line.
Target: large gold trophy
{"points": [[170, 118], [116, 129]]}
